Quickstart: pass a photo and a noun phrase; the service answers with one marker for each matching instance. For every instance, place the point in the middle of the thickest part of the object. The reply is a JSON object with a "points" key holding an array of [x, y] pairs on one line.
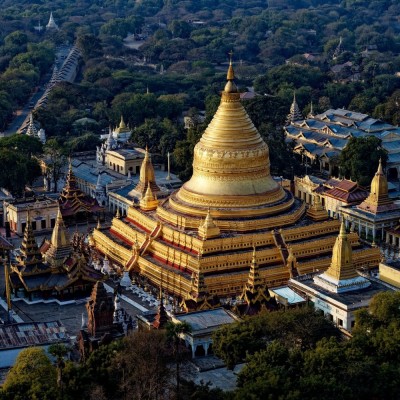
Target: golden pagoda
{"points": [[378, 199], [208, 228], [341, 276]]}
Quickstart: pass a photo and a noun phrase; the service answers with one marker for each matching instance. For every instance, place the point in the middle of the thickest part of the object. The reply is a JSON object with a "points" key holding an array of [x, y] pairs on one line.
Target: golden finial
{"points": [[231, 74], [380, 171]]}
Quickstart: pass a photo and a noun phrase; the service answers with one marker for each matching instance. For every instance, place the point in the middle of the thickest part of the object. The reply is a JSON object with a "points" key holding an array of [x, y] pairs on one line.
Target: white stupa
{"points": [[51, 24]]}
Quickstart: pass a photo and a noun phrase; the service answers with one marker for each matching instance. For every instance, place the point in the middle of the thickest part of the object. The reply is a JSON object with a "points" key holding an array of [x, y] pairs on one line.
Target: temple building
{"points": [[122, 133], [58, 269], [203, 235], [42, 210], [321, 138], [106, 321], [340, 290], [75, 205], [376, 213], [334, 193]]}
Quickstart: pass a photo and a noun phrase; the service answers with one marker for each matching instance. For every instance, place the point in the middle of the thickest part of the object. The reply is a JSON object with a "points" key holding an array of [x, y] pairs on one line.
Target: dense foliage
{"points": [[280, 366], [272, 41]]}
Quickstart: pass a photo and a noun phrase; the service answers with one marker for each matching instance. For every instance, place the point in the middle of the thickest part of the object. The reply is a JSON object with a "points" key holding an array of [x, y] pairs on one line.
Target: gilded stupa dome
{"points": [[231, 166]]}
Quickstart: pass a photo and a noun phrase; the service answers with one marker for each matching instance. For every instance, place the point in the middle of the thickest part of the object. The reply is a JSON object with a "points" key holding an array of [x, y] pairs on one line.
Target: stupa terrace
{"points": [[230, 215]]}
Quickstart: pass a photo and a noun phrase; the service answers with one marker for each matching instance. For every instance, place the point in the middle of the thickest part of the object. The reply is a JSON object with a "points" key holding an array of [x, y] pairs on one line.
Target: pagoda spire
{"points": [[148, 202], [71, 189], [208, 229], [342, 260], [317, 211], [31, 130], [60, 246], [294, 114], [311, 113], [147, 177], [122, 124], [254, 280], [51, 24], [29, 250], [378, 199], [341, 276]]}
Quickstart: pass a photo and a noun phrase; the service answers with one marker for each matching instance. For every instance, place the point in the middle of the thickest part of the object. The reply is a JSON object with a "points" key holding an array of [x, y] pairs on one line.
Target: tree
{"points": [[32, 377], [55, 159], [59, 351], [174, 334], [294, 328], [359, 159], [142, 366]]}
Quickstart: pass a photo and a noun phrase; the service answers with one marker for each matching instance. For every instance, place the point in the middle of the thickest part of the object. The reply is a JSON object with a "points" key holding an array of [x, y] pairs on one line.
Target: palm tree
{"points": [[59, 351], [174, 334]]}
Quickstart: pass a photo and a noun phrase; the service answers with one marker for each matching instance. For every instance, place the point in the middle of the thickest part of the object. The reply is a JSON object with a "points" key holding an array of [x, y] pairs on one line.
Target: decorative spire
{"points": [[51, 24], [59, 237], [31, 130], [29, 250], [341, 276], [317, 211], [311, 113], [110, 142], [147, 176], [60, 245], [342, 261], [168, 178], [149, 201], [208, 229], [294, 114], [117, 214], [254, 280], [378, 199], [230, 86], [122, 124]]}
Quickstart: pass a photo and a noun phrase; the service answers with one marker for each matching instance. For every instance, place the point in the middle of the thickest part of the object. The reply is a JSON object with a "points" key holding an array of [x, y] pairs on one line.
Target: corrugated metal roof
{"points": [[31, 334], [206, 319]]}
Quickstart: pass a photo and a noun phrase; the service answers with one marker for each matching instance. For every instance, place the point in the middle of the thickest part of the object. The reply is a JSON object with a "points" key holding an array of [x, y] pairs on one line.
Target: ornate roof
{"points": [[73, 201]]}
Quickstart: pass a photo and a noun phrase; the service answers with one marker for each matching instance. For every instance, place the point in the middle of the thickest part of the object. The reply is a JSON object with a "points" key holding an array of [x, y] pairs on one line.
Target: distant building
{"points": [[51, 24], [42, 211], [321, 138], [376, 213]]}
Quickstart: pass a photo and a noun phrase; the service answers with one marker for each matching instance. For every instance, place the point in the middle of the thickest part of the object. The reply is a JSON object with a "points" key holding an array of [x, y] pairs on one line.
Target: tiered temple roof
{"points": [[57, 268], [76, 204], [204, 233]]}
